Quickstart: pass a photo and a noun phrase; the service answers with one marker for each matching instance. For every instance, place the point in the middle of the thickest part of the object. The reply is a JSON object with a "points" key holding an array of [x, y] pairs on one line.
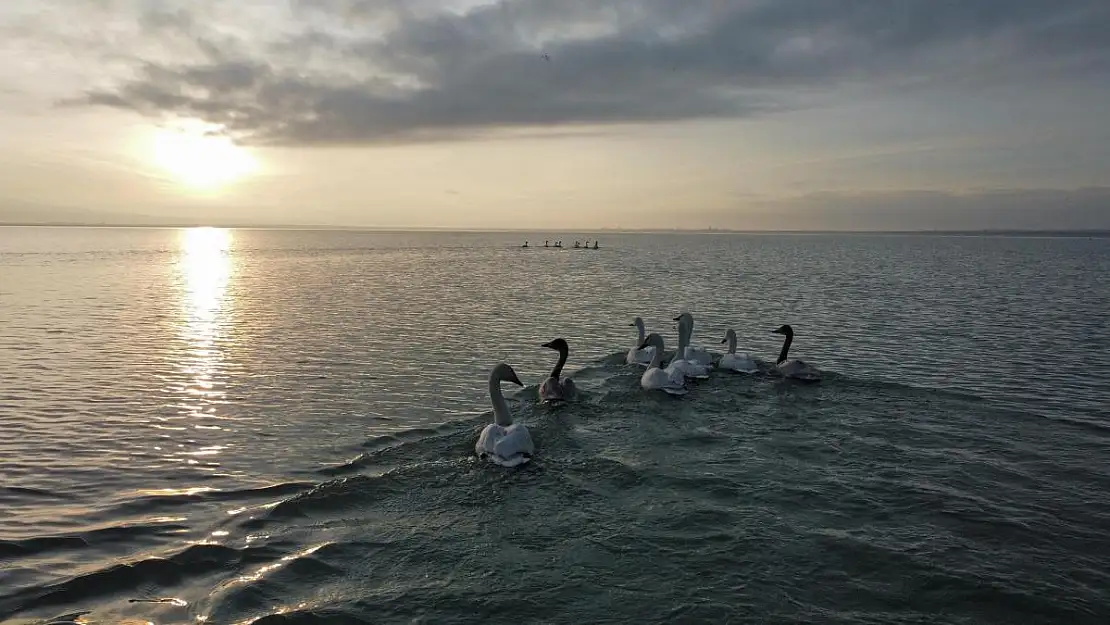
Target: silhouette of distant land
{"points": [[1094, 233]]}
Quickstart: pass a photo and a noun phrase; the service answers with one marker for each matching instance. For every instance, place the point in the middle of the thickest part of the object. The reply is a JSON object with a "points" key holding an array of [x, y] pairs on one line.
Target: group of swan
{"points": [[692, 362], [509, 444], [559, 244]]}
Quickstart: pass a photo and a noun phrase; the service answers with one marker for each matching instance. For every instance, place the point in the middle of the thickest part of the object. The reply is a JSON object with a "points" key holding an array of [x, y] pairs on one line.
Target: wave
{"points": [[607, 461], [146, 501], [116, 533], [190, 562]]}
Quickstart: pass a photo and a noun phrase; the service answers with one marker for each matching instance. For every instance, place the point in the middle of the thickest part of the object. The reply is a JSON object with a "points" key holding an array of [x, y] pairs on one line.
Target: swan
{"points": [[636, 355], [796, 369], [699, 355], [733, 361], [669, 380], [555, 388], [684, 366], [503, 442], [688, 368]]}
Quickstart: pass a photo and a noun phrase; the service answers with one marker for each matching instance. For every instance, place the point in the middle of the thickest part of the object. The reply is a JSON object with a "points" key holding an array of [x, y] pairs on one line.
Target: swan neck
{"points": [[657, 357], [684, 331], [501, 414], [639, 332], [559, 366], [732, 342], [785, 348]]}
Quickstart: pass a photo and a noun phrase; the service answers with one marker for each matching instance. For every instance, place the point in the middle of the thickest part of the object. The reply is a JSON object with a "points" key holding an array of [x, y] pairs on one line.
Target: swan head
{"points": [[784, 330], [653, 339], [687, 317], [636, 322], [559, 345], [504, 373], [731, 334]]}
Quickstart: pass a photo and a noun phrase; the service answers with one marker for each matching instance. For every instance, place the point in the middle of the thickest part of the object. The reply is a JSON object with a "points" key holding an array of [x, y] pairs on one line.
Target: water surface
{"points": [[279, 425]]}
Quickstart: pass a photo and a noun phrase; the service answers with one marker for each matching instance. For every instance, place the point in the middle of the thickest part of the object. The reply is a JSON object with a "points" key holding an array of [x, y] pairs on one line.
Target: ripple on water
{"points": [[279, 426]]}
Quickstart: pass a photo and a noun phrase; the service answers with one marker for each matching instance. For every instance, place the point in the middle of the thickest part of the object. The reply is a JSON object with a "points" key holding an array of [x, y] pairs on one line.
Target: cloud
{"points": [[986, 209], [366, 71]]}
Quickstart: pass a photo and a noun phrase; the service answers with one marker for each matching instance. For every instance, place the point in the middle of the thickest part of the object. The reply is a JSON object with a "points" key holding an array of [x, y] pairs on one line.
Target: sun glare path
{"points": [[206, 267], [201, 161]]}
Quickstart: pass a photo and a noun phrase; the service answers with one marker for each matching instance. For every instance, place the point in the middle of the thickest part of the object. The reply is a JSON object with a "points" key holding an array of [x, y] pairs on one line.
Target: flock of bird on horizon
{"points": [[559, 245], [510, 444]]}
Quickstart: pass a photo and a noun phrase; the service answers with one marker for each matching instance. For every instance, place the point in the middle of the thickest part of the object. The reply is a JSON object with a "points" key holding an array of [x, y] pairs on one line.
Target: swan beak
{"points": [[776, 331], [724, 341], [547, 345], [643, 345], [516, 380], [677, 318]]}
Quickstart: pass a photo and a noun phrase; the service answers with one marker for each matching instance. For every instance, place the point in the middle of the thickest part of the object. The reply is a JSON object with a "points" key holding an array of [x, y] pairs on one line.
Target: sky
{"points": [[575, 114]]}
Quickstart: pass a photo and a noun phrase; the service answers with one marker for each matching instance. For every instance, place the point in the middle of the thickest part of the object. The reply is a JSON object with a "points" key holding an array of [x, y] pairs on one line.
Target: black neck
{"points": [[563, 352], [785, 348]]}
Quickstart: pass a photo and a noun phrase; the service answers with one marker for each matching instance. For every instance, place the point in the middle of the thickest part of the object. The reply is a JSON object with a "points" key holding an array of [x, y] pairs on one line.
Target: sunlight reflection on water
{"points": [[205, 265]]}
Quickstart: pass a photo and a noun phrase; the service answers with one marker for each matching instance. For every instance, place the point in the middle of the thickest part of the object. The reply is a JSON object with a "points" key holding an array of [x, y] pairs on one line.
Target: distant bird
{"points": [[546, 58]]}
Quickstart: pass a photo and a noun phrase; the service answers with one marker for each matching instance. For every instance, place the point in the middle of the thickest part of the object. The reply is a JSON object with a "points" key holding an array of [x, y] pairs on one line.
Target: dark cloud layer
{"points": [[991, 209], [401, 71]]}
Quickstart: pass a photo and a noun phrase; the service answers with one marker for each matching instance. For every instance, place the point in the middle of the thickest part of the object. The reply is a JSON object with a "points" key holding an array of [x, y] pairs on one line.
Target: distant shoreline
{"points": [[398, 229]]}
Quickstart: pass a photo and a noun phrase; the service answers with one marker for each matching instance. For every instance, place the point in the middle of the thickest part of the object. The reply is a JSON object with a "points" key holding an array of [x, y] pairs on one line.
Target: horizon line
{"points": [[705, 230]]}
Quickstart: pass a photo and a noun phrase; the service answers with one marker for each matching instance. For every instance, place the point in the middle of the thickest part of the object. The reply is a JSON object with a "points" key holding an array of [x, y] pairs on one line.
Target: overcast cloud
{"points": [[351, 71], [856, 114]]}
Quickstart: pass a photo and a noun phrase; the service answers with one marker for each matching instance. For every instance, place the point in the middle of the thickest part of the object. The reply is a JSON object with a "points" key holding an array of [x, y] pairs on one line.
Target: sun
{"points": [[200, 160]]}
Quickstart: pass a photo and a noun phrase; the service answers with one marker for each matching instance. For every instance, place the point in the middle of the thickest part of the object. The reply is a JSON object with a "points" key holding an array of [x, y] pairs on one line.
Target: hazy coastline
{"points": [[1093, 233]]}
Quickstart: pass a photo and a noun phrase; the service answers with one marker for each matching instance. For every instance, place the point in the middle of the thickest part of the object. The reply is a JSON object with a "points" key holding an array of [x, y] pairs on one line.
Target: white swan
{"points": [[636, 355], [503, 442], [733, 361], [668, 380], [555, 388], [699, 355], [688, 368], [795, 369]]}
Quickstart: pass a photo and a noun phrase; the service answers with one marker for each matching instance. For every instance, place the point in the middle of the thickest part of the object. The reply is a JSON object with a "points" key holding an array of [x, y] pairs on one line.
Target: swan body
{"points": [[503, 442], [688, 368], [794, 369], [698, 355], [556, 388], [669, 380], [733, 361], [637, 355]]}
